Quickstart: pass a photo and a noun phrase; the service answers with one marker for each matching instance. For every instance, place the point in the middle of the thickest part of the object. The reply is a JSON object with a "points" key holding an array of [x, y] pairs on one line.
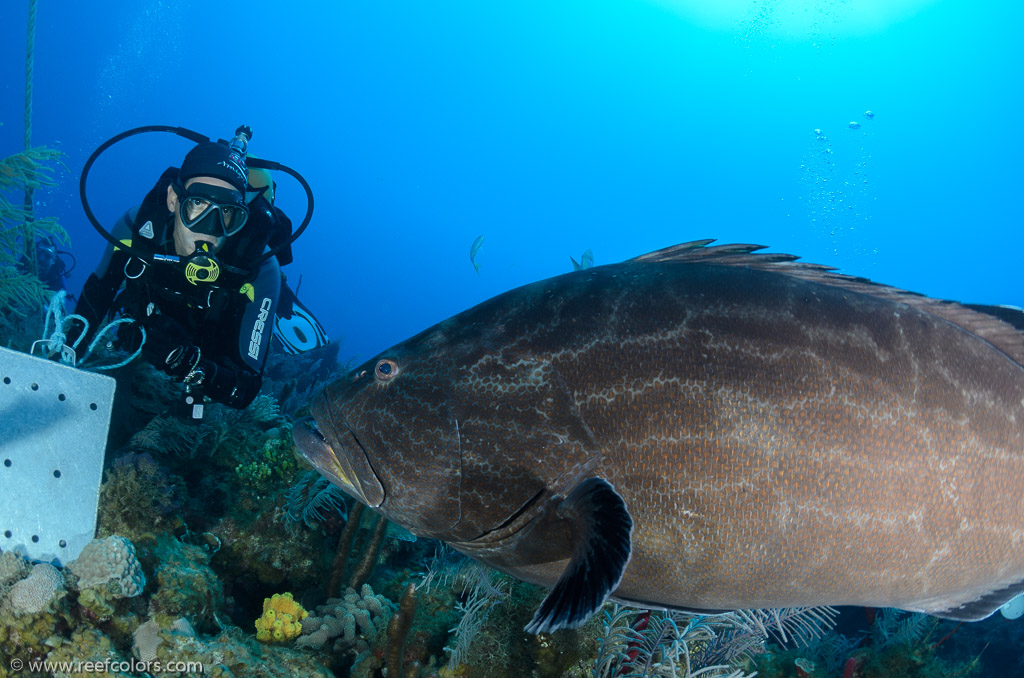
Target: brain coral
{"points": [[33, 594]]}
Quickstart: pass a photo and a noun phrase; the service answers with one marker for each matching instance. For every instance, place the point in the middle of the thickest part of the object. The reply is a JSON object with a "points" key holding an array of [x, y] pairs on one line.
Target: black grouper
{"points": [[704, 428]]}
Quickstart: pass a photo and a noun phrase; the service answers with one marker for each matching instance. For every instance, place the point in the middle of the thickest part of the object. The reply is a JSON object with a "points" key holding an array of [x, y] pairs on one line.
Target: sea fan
{"points": [[745, 632], [618, 632], [892, 628], [311, 499], [831, 651], [673, 645], [263, 409], [691, 645], [483, 593]]}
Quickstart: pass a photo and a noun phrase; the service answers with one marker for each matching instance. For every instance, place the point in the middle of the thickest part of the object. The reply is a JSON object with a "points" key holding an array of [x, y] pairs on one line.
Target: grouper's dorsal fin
{"points": [[1009, 314], [978, 320], [604, 531]]}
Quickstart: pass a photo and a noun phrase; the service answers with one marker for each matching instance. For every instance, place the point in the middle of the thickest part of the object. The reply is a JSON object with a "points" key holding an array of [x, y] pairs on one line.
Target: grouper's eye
{"points": [[386, 370]]}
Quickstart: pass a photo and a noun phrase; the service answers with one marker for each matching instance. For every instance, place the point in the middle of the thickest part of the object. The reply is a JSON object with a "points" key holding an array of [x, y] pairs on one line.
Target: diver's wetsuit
{"points": [[230, 321]]}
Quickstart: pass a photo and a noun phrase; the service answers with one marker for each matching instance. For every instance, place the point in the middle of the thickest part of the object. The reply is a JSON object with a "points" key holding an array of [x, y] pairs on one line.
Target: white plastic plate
{"points": [[53, 433]]}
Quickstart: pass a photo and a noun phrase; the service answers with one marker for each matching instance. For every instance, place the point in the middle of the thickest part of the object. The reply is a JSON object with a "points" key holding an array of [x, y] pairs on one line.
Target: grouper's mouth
{"points": [[351, 471], [314, 448], [333, 446]]}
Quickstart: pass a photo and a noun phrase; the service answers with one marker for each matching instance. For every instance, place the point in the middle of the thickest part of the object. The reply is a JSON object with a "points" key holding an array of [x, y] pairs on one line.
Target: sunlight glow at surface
{"points": [[795, 19]]}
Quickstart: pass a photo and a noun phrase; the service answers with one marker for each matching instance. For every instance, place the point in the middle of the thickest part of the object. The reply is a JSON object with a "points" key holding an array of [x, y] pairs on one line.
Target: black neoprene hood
{"points": [[212, 159]]}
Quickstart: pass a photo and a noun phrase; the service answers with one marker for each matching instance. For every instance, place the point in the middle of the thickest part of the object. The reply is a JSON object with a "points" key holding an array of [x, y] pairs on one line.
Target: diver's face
{"points": [[185, 241]]}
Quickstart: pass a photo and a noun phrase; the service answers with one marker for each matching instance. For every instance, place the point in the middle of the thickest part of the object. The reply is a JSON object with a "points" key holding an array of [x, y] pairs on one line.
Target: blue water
{"points": [[551, 127]]}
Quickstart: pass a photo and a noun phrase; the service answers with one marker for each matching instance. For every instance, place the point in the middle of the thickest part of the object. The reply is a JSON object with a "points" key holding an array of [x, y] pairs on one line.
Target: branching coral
{"points": [[354, 621], [363, 557], [29, 169], [398, 631]]}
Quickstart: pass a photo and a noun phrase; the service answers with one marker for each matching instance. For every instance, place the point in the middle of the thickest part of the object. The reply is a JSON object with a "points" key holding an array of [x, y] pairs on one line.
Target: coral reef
{"points": [[256, 549], [32, 611], [354, 559], [281, 620], [229, 653], [146, 639], [139, 497], [89, 645], [142, 393], [186, 584], [273, 463], [896, 644]]}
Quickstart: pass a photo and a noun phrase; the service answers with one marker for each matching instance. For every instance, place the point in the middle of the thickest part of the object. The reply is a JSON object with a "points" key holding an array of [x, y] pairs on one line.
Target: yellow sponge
{"points": [[281, 620]]}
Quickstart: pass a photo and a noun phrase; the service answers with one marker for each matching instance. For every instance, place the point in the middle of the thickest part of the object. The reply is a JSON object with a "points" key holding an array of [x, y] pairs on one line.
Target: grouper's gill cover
{"points": [[398, 447], [729, 429]]}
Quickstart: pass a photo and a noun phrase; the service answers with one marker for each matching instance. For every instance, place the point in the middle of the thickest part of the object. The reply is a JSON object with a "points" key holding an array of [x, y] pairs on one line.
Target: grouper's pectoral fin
{"points": [[603, 529]]}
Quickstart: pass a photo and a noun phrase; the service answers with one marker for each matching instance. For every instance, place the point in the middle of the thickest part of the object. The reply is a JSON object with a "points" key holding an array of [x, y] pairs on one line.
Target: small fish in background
{"points": [[586, 261], [473, 249]]}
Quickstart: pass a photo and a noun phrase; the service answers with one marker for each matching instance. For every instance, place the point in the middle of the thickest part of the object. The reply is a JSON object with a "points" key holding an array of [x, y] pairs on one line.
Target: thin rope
{"points": [[96, 340], [29, 64], [30, 241], [54, 342], [55, 315]]}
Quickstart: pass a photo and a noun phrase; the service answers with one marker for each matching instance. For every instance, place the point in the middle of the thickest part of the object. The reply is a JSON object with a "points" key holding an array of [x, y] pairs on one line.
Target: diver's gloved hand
{"points": [[168, 346]]}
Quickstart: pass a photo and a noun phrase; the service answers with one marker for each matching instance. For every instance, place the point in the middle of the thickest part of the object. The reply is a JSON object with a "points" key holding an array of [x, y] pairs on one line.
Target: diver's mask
{"points": [[46, 257], [212, 210]]}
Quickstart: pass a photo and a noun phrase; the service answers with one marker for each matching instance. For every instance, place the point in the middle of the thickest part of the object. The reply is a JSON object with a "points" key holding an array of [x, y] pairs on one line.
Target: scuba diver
{"points": [[189, 271], [51, 268]]}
